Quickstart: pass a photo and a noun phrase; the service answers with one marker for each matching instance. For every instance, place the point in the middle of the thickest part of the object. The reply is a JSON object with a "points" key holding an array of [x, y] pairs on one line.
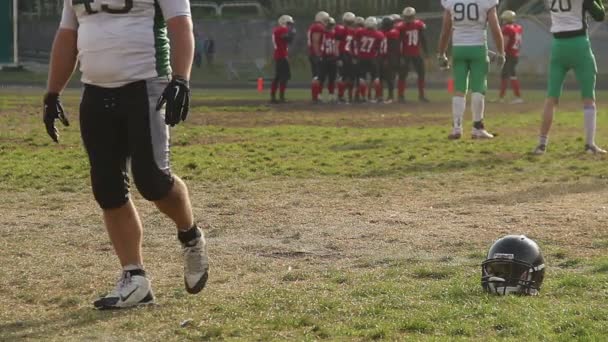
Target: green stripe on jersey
{"points": [[161, 43]]}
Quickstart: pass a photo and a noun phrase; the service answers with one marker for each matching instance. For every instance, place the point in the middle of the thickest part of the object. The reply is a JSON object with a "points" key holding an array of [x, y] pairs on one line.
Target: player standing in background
{"points": [[391, 56], [359, 27], [282, 36], [345, 34], [571, 49], [513, 35], [368, 42], [413, 45], [315, 39], [465, 21], [329, 62], [135, 86]]}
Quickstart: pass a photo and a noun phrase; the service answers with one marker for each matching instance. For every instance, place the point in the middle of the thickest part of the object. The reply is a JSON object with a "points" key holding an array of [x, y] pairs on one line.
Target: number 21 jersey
{"points": [[469, 20]]}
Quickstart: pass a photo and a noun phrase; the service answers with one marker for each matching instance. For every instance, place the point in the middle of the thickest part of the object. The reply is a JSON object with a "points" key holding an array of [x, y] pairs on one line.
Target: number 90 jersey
{"points": [[469, 20], [122, 41]]}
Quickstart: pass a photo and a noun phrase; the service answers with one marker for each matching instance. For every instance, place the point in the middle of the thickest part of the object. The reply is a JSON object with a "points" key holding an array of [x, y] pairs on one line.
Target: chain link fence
{"points": [[243, 47]]}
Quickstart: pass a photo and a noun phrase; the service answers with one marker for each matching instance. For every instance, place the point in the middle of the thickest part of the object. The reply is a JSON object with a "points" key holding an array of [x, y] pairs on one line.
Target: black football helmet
{"points": [[514, 264], [386, 24]]}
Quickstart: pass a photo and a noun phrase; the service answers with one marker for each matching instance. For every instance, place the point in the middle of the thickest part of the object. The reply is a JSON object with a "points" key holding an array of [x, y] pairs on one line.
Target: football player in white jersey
{"points": [[465, 22], [135, 86], [571, 49]]}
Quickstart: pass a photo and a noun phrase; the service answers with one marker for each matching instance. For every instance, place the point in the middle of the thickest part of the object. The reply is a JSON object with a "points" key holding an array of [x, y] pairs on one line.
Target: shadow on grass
{"points": [[436, 167], [56, 325], [532, 194]]}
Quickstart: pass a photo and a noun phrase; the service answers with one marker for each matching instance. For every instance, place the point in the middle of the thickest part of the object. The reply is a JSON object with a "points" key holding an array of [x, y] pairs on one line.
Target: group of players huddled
{"points": [[358, 58]]}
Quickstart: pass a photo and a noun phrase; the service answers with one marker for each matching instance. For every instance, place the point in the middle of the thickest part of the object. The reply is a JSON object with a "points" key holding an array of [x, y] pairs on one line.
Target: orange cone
{"points": [[260, 85]]}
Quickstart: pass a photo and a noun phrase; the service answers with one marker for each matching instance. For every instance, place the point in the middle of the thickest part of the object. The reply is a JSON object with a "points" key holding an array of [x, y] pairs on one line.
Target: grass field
{"points": [[324, 222]]}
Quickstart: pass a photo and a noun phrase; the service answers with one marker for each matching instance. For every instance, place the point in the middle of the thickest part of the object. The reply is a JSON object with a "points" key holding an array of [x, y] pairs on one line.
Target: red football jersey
{"points": [[354, 43], [329, 46], [398, 24], [279, 43], [513, 34], [391, 43], [369, 43], [345, 36], [314, 28], [410, 33]]}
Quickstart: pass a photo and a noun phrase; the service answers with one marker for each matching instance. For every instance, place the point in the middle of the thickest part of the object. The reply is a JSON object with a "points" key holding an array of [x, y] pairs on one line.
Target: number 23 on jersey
{"points": [[92, 7]]}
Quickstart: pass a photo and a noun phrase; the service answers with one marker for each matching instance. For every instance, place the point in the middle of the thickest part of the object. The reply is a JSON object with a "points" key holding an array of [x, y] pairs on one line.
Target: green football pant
{"points": [[470, 64], [572, 53]]}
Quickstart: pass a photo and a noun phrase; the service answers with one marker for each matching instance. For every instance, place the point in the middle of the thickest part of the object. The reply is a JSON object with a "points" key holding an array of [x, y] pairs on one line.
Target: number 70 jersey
{"points": [[469, 20]]}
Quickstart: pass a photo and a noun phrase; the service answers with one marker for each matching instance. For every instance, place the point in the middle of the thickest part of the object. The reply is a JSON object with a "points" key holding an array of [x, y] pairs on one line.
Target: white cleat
{"points": [[133, 289], [196, 264], [594, 149], [456, 134], [540, 150], [481, 134], [517, 100], [388, 101]]}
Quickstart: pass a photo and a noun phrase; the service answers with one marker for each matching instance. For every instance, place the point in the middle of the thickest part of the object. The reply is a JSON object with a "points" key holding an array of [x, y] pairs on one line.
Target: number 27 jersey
{"points": [[469, 20]]}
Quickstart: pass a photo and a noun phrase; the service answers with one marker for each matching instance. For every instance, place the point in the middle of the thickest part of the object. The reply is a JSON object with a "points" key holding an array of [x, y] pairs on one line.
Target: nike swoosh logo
{"points": [[125, 298]]}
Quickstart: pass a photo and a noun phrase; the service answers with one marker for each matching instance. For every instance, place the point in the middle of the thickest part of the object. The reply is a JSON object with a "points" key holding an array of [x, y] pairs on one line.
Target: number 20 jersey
{"points": [[122, 41], [469, 20], [566, 15]]}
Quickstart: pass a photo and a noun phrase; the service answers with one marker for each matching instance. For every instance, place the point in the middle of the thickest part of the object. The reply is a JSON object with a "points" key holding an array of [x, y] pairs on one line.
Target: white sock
{"points": [[477, 106], [459, 104], [590, 122]]}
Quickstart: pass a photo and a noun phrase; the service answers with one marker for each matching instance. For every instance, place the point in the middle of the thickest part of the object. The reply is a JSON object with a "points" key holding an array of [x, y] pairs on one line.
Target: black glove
{"points": [[53, 110], [177, 97]]}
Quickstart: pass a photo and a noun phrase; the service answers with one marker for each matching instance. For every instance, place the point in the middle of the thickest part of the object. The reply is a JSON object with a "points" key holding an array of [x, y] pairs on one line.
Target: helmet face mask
{"points": [[514, 265], [503, 277]]}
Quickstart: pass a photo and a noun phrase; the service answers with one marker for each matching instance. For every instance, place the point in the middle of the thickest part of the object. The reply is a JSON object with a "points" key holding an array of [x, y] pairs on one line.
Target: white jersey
{"points": [[469, 20], [122, 41], [566, 15]]}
